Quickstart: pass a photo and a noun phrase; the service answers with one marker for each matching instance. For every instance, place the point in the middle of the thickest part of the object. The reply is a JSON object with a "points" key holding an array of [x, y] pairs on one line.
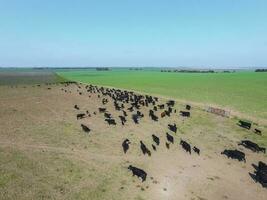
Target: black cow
{"points": [[154, 147], [244, 124], [167, 145], [139, 113], [76, 107], [185, 146], [138, 172], [252, 146], [185, 113], [125, 145], [144, 149], [262, 166], [168, 113], [261, 174], [110, 121], [170, 103], [135, 118], [257, 131], [155, 139], [187, 107], [130, 109], [161, 106], [154, 117], [124, 113], [102, 110], [80, 116], [123, 119], [169, 137], [173, 127], [107, 115], [85, 128], [235, 154], [196, 150], [151, 112]]}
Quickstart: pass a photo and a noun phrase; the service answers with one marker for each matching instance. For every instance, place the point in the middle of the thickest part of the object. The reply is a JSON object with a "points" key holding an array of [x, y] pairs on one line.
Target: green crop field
{"points": [[242, 92]]}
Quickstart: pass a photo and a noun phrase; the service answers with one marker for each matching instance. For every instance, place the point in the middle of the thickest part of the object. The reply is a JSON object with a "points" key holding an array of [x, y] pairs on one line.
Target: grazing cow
{"points": [[196, 150], [110, 121], [138, 172], [139, 114], [154, 117], [80, 116], [94, 113], [154, 147], [169, 137], [155, 139], [167, 113], [130, 109], [151, 112], [125, 145], [244, 124], [124, 113], [234, 154], [262, 166], [252, 146], [261, 174], [185, 146], [102, 110], [85, 128], [135, 118], [155, 108], [107, 115], [123, 119], [163, 114], [257, 131], [104, 101], [187, 107], [170, 103], [161, 106], [173, 127], [144, 149], [167, 145], [76, 107], [185, 113]]}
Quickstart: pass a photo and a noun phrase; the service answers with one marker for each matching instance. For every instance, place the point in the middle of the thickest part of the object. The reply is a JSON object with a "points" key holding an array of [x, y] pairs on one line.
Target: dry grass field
{"points": [[44, 154]]}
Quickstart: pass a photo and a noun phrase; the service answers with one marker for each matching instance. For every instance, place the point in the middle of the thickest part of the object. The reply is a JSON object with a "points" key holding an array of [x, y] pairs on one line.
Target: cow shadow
{"points": [[253, 175]]}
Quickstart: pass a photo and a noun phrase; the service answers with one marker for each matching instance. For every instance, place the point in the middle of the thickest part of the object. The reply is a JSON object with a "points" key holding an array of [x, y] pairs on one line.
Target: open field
{"points": [[244, 93], [44, 154], [27, 76]]}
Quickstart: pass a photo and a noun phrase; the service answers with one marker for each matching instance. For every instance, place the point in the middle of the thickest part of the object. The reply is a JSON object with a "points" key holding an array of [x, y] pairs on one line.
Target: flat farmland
{"points": [[244, 93], [45, 154], [27, 76]]}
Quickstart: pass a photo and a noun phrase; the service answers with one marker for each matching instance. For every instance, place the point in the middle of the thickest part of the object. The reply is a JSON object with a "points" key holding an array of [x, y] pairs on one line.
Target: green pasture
{"points": [[245, 92]]}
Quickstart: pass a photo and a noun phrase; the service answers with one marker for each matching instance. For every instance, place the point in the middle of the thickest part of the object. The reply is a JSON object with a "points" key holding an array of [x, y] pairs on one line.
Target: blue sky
{"points": [[201, 33]]}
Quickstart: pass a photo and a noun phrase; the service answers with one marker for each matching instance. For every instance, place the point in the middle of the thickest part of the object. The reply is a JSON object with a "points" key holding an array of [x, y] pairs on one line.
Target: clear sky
{"points": [[211, 33]]}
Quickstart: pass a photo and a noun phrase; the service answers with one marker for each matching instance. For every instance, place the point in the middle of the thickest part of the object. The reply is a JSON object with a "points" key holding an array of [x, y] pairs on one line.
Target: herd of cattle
{"points": [[130, 104]]}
